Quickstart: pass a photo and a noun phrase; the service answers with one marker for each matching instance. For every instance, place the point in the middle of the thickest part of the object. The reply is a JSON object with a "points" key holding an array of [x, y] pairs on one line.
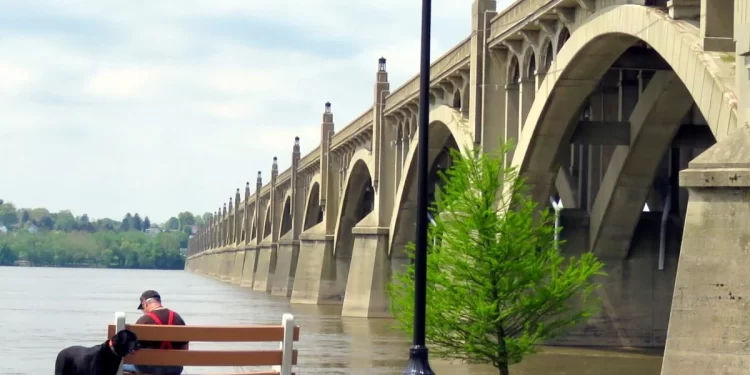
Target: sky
{"points": [[157, 107]]}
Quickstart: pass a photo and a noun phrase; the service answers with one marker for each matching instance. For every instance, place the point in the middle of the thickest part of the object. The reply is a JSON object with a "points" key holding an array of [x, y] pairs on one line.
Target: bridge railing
{"points": [[457, 56]]}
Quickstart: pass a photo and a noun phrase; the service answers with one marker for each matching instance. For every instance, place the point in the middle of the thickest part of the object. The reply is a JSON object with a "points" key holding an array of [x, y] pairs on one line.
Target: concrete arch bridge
{"points": [[615, 106]]}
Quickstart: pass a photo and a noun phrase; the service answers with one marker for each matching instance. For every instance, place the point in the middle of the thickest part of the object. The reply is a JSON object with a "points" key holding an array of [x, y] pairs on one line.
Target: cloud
{"points": [[122, 82], [149, 107], [14, 77]]}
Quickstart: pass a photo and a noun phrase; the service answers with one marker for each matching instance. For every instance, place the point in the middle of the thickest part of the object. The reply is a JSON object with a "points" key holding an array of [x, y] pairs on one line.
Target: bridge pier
{"points": [[219, 265], [237, 264], [216, 265], [266, 267], [316, 282], [226, 258], [224, 266], [287, 255], [369, 274], [249, 267], [709, 324]]}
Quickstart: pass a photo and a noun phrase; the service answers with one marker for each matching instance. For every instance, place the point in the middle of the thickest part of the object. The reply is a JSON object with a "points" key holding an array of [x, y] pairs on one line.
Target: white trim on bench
{"points": [[286, 346], [119, 326]]}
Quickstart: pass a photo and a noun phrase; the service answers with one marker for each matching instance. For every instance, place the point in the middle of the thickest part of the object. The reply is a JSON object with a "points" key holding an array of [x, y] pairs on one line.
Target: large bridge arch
{"points": [[266, 222], [529, 62], [701, 77], [356, 184], [286, 215], [685, 76], [254, 223], [588, 54], [696, 76], [313, 212], [447, 126]]}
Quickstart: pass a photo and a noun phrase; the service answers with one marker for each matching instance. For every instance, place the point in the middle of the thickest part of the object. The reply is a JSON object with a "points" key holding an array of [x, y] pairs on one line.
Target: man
{"points": [[155, 313]]}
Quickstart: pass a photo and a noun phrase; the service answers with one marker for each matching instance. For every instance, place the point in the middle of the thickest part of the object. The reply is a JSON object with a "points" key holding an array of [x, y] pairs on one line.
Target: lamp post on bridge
{"points": [[418, 355]]}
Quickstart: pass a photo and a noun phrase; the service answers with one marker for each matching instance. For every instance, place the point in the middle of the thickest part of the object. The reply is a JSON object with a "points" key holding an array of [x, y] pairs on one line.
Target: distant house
{"points": [[194, 229], [3, 229], [153, 230], [33, 228]]}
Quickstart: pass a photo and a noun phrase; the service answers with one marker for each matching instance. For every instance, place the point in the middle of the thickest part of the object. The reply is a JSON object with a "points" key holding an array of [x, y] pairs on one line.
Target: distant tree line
{"points": [[38, 237]]}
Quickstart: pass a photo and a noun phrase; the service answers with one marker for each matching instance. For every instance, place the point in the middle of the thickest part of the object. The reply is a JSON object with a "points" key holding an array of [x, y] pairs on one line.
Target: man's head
{"points": [[150, 300]]}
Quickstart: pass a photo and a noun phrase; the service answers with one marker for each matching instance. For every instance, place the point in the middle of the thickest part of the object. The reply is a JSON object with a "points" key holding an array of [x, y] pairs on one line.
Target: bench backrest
{"points": [[282, 358]]}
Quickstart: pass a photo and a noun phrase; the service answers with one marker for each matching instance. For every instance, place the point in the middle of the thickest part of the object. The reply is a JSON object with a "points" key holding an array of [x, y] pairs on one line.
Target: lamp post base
{"points": [[418, 363]]}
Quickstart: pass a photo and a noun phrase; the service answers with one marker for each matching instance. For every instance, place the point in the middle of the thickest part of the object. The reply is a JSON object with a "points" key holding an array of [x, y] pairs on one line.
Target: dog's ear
{"points": [[125, 342], [124, 336], [119, 337]]}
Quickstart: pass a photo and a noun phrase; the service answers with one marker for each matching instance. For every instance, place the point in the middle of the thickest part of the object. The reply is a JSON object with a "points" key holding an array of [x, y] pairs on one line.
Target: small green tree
{"points": [[8, 214], [127, 223], [173, 223], [497, 284], [185, 218], [25, 217], [137, 223], [66, 221]]}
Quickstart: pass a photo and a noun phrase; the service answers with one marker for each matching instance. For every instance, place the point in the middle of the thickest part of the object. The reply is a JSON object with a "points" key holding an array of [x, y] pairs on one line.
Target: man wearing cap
{"points": [[155, 313]]}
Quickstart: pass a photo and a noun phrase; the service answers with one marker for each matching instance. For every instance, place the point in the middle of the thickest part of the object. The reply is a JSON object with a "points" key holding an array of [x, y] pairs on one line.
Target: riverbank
{"points": [[105, 249], [26, 264]]}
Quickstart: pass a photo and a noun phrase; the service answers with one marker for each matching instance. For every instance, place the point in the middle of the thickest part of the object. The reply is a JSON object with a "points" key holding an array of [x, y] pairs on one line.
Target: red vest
{"points": [[164, 344]]}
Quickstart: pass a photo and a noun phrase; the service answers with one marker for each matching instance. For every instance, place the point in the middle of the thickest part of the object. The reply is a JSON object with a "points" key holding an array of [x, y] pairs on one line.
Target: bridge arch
{"points": [[313, 211], [574, 75], [286, 215], [546, 54], [448, 129], [457, 99], [267, 221], [243, 225], [514, 70], [562, 37], [356, 200], [529, 63], [253, 223]]}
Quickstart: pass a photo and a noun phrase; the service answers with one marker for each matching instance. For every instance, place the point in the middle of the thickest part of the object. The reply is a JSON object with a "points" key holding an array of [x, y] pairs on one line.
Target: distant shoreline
{"points": [[26, 264]]}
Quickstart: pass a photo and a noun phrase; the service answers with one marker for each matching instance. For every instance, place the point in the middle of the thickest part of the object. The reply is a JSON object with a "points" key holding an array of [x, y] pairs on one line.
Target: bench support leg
{"points": [[119, 326]]}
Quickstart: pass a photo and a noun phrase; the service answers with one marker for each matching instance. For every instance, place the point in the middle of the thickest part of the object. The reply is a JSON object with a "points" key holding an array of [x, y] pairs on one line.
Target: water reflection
{"points": [[385, 349], [47, 309]]}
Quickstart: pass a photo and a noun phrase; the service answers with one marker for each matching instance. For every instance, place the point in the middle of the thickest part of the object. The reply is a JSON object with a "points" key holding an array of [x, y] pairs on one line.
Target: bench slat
{"points": [[207, 357], [150, 332]]}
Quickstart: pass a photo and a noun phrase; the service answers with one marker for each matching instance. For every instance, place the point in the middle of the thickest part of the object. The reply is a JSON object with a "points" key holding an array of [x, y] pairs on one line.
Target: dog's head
{"points": [[124, 342]]}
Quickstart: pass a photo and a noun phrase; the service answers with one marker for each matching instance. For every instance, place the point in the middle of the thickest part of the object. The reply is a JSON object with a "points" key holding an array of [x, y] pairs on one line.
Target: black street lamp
{"points": [[418, 356]]}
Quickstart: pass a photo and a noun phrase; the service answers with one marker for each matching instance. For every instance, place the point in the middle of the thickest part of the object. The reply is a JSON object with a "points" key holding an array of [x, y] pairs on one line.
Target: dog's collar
{"points": [[112, 347]]}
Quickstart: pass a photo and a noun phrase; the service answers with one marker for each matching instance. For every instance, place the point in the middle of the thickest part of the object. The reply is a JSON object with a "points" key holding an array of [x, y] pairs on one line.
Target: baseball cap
{"points": [[146, 295]]}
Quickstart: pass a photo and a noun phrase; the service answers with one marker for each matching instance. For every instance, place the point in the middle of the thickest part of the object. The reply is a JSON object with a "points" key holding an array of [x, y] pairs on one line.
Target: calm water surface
{"points": [[46, 309]]}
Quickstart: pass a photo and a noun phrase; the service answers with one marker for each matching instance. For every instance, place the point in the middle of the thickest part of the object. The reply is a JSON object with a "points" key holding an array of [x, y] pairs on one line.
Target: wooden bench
{"points": [[280, 359]]}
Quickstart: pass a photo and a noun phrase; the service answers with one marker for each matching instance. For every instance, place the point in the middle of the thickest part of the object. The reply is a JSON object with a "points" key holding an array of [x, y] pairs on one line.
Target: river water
{"points": [[46, 309]]}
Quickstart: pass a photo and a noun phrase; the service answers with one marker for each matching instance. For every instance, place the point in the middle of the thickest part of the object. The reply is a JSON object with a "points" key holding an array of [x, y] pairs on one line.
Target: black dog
{"points": [[101, 359]]}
